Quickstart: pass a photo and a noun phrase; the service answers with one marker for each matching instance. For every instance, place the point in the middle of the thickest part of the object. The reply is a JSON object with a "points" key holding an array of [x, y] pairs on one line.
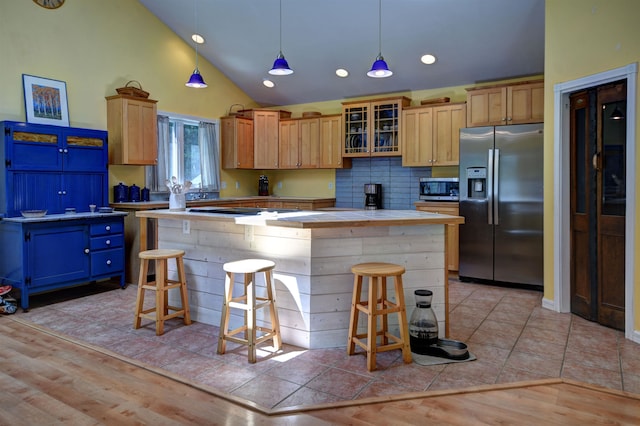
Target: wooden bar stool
{"points": [[160, 312], [249, 303], [375, 306]]}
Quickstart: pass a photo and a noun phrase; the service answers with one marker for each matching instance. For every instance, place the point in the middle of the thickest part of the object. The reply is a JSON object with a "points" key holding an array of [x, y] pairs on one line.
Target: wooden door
{"points": [[309, 143], [288, 144], [598, 204], [447, 122], [417, 137], [330, 142], [265, 139]]}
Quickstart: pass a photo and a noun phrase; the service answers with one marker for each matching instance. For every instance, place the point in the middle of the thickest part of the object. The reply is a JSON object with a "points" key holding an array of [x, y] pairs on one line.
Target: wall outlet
{"points": [[330, 185], [237, 185], [223, 184], [186, 226], [279, 185]]}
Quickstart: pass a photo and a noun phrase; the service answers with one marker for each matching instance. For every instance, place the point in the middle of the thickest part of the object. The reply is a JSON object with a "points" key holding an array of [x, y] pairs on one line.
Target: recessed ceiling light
{"points": [[197, 38], [268, 83], [428, 59], [341, 72]]}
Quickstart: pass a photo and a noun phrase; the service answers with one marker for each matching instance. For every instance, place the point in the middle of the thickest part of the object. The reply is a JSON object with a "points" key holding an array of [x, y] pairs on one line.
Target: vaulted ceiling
{"points": [[473, 40]]}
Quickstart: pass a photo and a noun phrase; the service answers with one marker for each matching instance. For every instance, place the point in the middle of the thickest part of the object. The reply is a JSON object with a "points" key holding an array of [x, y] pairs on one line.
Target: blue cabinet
{"points": [[59, 251], [52, 168]]}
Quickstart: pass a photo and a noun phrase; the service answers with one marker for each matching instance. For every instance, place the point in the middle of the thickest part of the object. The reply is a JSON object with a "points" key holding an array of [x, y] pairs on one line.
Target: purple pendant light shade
{"points": [[196, 80], [280, 66], [379, 69]]}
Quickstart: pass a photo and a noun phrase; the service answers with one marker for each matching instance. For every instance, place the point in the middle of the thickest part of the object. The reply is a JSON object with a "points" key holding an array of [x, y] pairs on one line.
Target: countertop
{"points": [[64, 216], [150, 205], [308, 219]]}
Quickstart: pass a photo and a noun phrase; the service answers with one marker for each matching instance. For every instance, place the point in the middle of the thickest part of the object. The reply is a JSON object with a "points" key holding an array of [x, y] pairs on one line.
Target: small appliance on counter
{"points": [[440, 189], [263, 185], [372, 196]]}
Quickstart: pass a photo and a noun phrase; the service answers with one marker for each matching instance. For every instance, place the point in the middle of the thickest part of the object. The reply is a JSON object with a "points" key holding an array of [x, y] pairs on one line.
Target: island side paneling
{"points": [[313, 270]]}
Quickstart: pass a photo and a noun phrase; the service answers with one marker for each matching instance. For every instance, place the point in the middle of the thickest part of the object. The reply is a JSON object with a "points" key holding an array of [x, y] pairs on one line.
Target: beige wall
{"points": [[582, 38], [97, 46]]}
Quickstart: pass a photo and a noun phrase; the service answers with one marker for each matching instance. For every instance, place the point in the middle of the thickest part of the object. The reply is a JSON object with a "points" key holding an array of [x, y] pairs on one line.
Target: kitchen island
{"points": [[314, 252]]}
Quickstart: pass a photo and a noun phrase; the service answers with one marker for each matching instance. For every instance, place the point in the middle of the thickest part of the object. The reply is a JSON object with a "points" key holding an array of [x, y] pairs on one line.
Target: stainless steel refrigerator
{"points": [[501, 180]]}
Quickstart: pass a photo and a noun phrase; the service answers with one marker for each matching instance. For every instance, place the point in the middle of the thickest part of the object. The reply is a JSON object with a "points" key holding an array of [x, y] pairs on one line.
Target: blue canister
{"points": [[146, 194], [120, 193], [134, 193]]}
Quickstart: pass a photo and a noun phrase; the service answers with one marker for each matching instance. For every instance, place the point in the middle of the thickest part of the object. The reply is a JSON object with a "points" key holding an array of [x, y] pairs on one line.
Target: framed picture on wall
{"points": [[45, 100]]}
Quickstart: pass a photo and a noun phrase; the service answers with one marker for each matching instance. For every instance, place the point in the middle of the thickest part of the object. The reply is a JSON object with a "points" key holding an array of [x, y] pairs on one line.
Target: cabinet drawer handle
{"points": [[109, 262], [86, 251], [108, 242], [108, 228]]}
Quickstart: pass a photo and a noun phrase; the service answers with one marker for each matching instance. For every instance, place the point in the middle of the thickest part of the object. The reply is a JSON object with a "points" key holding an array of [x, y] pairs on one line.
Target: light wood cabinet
{"points": [[330, 143], [431, 135], [237, 142], [133, 132], [452, 230], [373, 128], [299, 144], [266, 125], [516, 103]]}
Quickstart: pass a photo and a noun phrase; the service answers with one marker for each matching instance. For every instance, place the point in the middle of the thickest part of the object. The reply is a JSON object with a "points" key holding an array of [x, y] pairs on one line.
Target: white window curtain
{"points": [[209, 159], [171, 155]]}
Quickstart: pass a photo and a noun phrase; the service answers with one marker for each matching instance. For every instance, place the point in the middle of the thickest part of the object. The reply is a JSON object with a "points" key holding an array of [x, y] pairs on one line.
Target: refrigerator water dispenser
{"points": [[477, 182]]}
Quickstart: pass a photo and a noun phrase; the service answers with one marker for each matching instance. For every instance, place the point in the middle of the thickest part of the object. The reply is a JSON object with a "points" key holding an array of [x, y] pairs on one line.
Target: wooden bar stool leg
{"points": [[372, 324], [402, 321], [251, 317], [161, 302], [355, 313], [384, 305], [224, 324], [142, 280], [273, 312], [184, 297]]}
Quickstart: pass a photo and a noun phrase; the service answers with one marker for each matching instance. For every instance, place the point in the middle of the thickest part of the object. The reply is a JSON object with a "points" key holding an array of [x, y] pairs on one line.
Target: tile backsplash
{"points": [[400, 185]]}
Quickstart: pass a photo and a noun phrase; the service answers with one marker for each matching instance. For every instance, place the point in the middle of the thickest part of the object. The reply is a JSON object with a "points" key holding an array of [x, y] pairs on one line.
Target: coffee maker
{"points": [[372, 196], [263, 185]]}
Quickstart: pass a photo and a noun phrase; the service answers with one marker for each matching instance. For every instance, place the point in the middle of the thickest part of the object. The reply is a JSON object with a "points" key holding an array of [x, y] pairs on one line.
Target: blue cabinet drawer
{"points": [[106, 242], [107, 262], [106, 228]]}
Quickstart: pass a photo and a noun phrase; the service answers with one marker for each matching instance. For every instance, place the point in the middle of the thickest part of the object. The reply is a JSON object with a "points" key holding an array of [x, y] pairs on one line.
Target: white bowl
{"points": [[33, 213]]}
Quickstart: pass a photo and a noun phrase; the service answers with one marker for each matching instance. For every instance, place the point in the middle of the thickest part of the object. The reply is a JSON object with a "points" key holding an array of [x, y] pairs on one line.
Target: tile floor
{"points": [[512, 337]]}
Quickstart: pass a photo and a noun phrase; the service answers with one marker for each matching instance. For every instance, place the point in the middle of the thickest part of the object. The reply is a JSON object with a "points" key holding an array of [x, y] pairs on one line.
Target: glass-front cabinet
{"points": [[372, 128]]}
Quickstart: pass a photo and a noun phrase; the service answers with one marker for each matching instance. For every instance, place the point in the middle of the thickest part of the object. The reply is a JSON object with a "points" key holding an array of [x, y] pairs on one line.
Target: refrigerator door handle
{"points": [[496, 187], [490, 188]]}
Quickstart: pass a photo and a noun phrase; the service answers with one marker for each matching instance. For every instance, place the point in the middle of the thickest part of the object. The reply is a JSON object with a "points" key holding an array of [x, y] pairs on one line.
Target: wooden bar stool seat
{"points": [[161, 311], [376, 306], [250, 304]]}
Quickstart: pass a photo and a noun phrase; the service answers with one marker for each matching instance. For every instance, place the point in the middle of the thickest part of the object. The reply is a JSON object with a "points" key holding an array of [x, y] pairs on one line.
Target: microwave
{"points": [[440, 189]]}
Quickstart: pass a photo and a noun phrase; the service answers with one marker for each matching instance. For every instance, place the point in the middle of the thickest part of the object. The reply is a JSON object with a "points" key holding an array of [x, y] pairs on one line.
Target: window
{"points": [[187, 149]]}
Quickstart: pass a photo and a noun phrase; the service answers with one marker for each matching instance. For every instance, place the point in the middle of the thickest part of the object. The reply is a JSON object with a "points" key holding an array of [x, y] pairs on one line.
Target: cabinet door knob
{"points": [[60, 150], [59, 192], [109, 262], [86, 251], [65, 150], [108, 242], [107, 228]]}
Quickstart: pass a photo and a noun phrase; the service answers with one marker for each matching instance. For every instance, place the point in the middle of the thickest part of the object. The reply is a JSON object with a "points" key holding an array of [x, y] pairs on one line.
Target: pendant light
{"points": [[280, 65], [379, 69], [196, 81], [617, 114]]}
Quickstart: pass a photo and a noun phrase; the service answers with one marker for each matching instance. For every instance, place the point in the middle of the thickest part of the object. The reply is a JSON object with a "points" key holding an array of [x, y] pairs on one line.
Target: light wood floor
{"points": [[46, 379]]}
